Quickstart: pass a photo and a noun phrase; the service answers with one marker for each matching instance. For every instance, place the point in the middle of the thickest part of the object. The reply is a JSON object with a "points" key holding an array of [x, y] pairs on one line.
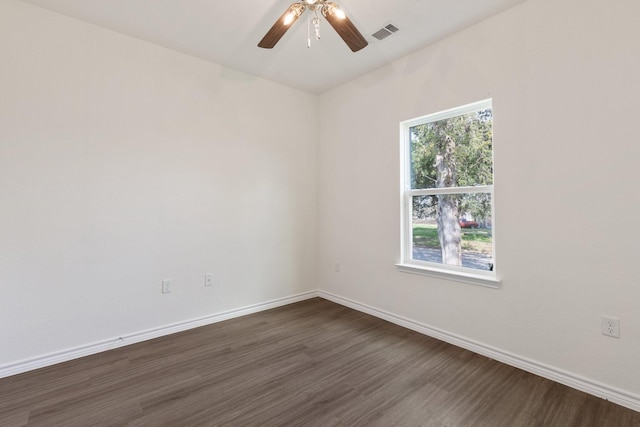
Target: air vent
{"points": [[385, 32]]}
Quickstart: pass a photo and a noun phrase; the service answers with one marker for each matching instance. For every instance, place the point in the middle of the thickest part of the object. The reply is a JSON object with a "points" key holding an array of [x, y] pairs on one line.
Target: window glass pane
{"points": [[459, 223], [454, 152]]}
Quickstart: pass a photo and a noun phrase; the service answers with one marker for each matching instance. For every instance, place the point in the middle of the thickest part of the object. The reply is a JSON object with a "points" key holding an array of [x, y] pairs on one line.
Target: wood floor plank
{"points": [[313, 363]]}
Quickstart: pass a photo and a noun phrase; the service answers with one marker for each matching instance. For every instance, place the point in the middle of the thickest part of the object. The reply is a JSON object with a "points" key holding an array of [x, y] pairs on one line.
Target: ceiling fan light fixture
{"points": [[293, 13], [334, 10], [289, 18]]}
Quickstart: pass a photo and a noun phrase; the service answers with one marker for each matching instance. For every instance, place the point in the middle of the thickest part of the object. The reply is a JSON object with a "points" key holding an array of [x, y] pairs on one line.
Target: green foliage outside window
{"points": [[454, 153]]}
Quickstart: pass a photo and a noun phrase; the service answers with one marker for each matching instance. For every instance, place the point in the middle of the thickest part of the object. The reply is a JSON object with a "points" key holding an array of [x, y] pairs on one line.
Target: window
{"points": [[447, 194]]}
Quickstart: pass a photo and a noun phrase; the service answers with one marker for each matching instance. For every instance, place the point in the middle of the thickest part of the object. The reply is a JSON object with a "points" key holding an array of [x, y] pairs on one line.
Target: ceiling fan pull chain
{"points": [[308, 31], [316, 25]]}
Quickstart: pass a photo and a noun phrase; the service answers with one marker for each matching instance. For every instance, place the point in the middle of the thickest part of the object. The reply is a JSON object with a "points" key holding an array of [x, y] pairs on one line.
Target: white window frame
{"points": [[442, 271]]}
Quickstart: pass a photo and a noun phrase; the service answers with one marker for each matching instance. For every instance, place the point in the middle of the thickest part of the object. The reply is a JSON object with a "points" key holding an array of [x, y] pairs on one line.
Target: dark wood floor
{"points": [[313, 363]]}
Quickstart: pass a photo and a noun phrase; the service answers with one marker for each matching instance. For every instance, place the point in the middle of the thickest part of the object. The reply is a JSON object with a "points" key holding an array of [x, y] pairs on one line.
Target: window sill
{"points": [[469, 278]]}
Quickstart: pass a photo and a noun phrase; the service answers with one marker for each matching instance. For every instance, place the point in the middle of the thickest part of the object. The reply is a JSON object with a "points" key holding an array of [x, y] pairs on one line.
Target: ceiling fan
{"points": [[332, 13]]}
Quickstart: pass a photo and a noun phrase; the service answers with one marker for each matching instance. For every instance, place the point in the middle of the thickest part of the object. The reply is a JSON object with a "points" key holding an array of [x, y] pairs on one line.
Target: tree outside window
{"points": [[448, 188]]}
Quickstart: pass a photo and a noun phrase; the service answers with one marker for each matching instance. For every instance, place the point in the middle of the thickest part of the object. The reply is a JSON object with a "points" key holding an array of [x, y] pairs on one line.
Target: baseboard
{"points": [[97, 347], [586, 385], [620, 397]]}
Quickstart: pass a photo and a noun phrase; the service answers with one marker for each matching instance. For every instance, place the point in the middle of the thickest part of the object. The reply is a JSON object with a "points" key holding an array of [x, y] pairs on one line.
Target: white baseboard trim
{"points": [[97, 347], [615, 395], [620, 397]]}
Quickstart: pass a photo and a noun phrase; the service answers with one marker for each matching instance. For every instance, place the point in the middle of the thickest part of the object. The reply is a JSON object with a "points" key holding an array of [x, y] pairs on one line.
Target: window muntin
{"points": [[448, 190]]}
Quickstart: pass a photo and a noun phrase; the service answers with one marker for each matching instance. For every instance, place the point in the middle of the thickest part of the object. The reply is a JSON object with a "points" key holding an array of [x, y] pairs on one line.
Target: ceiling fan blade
{"points": [[281, 26], [344, 27]]}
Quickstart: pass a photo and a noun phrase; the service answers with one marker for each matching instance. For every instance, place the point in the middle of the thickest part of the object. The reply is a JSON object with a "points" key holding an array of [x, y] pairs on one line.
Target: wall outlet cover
{"points": [[166, 286], [611, 326]]}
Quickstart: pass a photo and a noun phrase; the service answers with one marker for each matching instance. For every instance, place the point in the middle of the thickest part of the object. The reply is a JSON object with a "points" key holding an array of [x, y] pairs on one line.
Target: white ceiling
{"points": [[227, 32]]}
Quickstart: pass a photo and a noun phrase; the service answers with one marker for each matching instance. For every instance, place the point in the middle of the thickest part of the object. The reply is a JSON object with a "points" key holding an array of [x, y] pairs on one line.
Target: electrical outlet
{"points": [[208, 279], [611, 326], [166, 286]]}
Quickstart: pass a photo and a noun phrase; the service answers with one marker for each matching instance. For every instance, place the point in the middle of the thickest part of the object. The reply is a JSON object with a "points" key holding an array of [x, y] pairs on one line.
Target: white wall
{"points": [[563, 76], [123, 163]]}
